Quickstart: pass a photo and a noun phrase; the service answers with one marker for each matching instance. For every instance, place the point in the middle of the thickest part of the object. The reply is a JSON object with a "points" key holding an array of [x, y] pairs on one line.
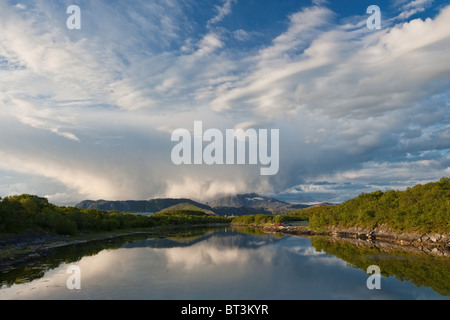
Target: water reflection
{"points": [[414, 265], [219, 264]]}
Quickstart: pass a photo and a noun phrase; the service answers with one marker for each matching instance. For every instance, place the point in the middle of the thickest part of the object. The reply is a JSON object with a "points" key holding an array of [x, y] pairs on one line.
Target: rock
{"points": [[435, 237]]}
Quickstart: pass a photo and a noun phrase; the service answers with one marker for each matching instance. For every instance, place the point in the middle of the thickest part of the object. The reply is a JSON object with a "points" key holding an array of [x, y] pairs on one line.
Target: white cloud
{"points": [[93, 110], [222, 12], [209, 44], [269, 86], [86, 183], [371, 176], [410, 8], [42, 118], [417, 3], [20, 6], [346, 73], [241, 35]]}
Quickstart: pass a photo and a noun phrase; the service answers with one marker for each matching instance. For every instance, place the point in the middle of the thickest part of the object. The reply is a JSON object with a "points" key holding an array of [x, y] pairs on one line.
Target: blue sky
{"points": [[88, 114]]}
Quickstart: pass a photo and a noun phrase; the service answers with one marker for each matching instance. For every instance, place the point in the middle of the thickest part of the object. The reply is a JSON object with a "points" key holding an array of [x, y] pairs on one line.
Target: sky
{"points": [[88, 113]]}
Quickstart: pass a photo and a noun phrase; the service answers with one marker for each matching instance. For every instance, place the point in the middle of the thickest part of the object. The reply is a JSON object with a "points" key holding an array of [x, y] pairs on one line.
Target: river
{"points": [[228, 263]]}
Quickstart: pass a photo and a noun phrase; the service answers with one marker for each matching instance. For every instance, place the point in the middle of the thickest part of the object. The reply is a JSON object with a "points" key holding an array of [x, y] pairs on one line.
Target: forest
{"points": [[25, 212], [422, 208]]}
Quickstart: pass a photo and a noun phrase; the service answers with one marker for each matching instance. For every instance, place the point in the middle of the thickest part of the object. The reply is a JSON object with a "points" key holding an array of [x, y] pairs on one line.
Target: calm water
{"points": [[228, 264]]}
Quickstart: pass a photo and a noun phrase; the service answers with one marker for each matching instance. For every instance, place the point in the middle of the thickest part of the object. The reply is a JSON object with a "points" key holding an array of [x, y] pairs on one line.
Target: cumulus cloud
{"points": [[355, 95], [92, 110]]}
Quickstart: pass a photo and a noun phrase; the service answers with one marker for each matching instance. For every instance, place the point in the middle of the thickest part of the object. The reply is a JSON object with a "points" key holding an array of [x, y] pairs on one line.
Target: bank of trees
{"points": [[258, 219], [422, 208], [176, 217], [32, 213]]}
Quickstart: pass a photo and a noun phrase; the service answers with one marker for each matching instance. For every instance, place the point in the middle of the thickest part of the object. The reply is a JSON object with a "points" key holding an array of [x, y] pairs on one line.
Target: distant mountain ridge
{"points": [[240, 204], [253, 200], [153, 205]]}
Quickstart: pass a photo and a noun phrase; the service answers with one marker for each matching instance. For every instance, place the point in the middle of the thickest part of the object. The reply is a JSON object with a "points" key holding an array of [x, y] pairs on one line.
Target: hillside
{"points": [[241, 204], [188, 207], [153, 205], [262, 204], [422, 208], [29, 213]]}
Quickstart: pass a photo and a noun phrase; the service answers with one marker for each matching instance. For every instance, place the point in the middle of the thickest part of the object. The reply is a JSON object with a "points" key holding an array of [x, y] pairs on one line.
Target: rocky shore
{"points": [[423, 241], [388, 235], [25, 248]]}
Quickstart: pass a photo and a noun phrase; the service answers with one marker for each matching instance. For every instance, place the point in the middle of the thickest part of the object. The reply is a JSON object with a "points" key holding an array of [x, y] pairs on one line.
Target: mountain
{"points": [[188, 206], [240, 204], [255, 201], [153, 205]]}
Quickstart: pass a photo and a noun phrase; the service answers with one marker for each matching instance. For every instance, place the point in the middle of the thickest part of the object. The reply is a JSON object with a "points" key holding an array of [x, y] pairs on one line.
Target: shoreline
{"points": [[428, 242], [19, 253], [29, 247]]}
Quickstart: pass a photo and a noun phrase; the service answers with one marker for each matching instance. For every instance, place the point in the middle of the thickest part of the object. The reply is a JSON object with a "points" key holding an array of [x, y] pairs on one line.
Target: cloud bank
{"points": [[89, 113]]}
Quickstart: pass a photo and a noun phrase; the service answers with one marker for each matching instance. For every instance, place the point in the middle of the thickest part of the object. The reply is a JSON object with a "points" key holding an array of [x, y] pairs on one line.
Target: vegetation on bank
{"points": [[258, 219], [179, 217], [25, 213], [422, 208]]}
